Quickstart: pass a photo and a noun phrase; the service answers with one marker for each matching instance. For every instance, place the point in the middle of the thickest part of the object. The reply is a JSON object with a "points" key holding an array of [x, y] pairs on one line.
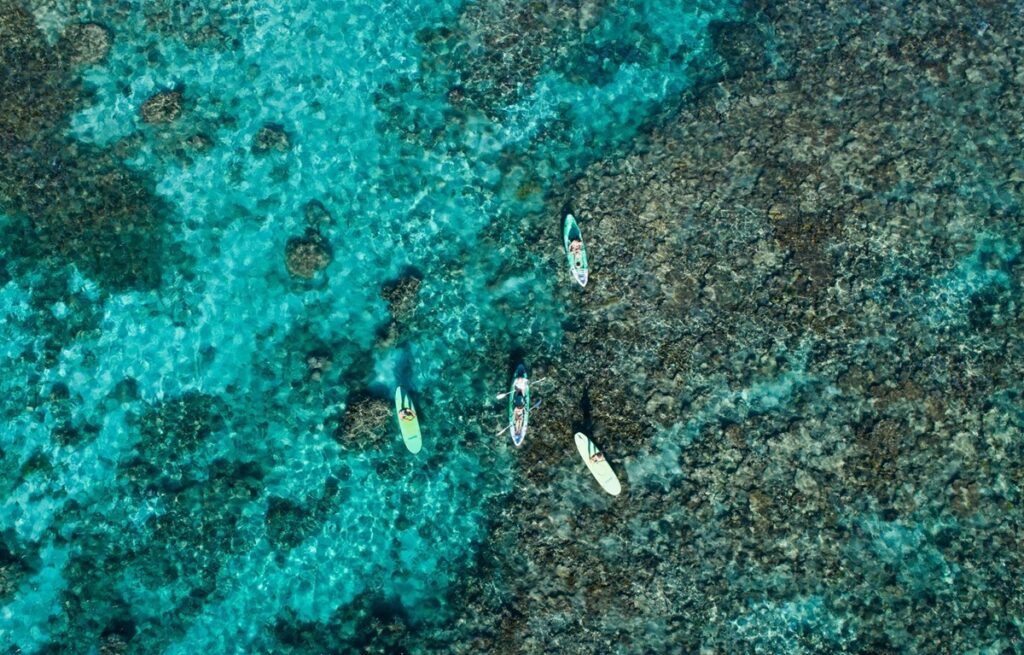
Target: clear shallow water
{"points": [[192, 413]]}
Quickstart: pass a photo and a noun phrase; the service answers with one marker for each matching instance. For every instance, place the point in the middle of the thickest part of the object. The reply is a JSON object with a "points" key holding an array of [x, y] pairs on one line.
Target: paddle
{"points": [[508, 393], [507, 427]]}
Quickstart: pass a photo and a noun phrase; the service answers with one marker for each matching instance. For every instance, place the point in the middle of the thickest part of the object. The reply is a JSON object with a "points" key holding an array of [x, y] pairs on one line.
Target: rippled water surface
{"points": [[206, 205], [228, 231]]}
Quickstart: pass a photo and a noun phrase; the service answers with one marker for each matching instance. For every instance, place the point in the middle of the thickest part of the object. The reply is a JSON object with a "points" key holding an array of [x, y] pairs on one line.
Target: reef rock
{"points": [[199, 142], [86, 43], [163, 107], [318, 362], [364, 422], [400, 294], [271, 137], [113, 644], [306, 256], [316, 215]]}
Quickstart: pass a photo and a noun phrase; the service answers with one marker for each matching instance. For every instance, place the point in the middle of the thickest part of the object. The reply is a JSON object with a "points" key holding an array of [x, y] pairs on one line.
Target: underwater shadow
{"points": [[586, 424]]}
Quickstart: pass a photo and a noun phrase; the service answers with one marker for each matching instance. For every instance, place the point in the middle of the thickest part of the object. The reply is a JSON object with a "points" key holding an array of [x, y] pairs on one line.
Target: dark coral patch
{"points": [[371, 623], [15, 568], [86, 43], [271, 138], [82, 205], [180, 550], [364, 423], [163, 107], [169, 434], [289, 523], [307, 255]]}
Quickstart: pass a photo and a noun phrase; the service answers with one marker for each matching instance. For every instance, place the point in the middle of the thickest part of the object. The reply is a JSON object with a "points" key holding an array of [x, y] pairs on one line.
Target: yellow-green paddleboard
{"points": [[594, 460], [408, 421]]}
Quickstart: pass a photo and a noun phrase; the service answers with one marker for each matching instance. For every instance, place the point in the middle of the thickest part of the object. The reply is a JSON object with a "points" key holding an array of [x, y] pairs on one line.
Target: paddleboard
{"points": [[522, 398], [409, 425], [578, 266], [594, 460]]}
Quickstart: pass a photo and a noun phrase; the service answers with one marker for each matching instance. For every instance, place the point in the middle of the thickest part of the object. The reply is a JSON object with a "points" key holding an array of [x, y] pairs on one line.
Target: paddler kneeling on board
{"points": [[596, 457], [575, 246], [518, 412], [407, 414]]}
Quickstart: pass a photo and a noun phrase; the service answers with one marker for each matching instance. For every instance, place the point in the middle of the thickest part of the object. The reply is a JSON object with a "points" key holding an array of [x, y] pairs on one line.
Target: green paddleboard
{"points": [[408, 421], [578, 266]]}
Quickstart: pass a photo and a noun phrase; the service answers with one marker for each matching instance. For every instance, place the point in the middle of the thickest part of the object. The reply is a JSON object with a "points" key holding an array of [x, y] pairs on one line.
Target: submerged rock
{"points": [[199, 142], [287, 523], [162, 107], [318, 362], [307, 255], [13, 571], [113, 644], [364, 423], [86, 43], [400, 294], [67, 200], [271, 137], [317, 216]]}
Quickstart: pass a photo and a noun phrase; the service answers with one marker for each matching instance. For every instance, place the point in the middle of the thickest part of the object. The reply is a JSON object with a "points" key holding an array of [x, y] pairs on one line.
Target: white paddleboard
{"points": [[594, 460]]}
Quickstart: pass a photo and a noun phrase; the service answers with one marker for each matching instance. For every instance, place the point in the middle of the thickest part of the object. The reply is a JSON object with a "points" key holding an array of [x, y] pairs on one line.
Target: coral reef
{"points": [[82, 205], [289, 523], [271, 138], [86, 43], [318, 362], [307, 255], [13, 571], [400, 294], [364, 423], [497, 49], [785, 279], [163, 107], [198, 23], [179, 550], [800, 346], [317, 216], [169, 435], [370, 624]]}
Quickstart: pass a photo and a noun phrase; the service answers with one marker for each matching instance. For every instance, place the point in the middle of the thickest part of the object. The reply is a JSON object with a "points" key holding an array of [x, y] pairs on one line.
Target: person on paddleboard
{"points": [[407, 414], [520, 386], [519, 410], [576, 250]]}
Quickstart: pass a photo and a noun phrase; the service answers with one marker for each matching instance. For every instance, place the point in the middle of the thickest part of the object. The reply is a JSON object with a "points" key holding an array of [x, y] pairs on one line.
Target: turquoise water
{"points": [[174, 473]]}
